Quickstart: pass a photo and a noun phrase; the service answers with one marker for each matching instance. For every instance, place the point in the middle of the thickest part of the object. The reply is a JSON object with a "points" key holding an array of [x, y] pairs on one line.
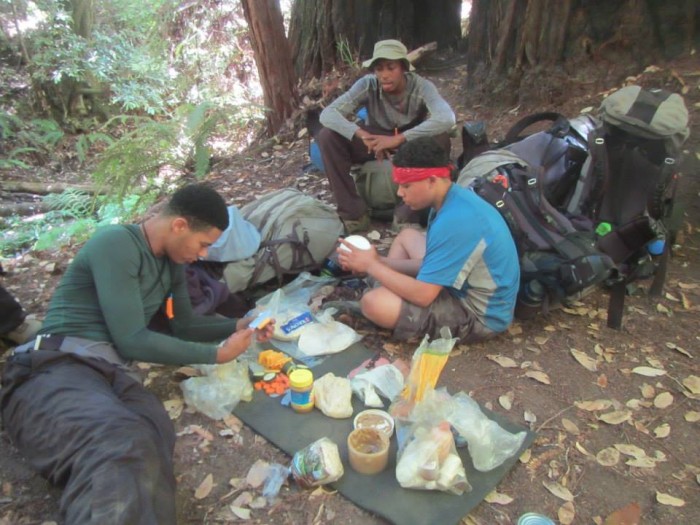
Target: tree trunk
{"points": [[533, 49], [44, 188], [327, 35], [273, 59]]}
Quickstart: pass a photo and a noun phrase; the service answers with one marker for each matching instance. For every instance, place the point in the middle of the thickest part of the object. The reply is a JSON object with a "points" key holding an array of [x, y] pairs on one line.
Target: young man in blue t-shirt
{"points": [[462, 273]]}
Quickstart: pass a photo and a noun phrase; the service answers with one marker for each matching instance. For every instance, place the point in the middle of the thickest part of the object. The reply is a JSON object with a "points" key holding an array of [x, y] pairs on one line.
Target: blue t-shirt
{"points": [[470, 251]]}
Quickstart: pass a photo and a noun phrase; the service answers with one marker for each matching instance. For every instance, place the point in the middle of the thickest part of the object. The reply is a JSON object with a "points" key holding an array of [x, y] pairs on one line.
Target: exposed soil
{"points": [[653, 335]]}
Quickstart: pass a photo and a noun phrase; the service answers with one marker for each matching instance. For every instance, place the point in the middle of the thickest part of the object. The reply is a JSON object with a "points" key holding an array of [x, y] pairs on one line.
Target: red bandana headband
{"points": [[405, 175]]}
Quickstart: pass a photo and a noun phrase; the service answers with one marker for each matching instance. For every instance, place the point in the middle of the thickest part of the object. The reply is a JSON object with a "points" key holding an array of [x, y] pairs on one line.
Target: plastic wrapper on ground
{"points": [[218, 392]]}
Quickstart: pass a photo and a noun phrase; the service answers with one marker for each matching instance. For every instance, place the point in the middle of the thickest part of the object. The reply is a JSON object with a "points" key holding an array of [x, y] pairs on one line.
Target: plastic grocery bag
{"points": [[326, 336], [489, 443], [218, 392], [429, 460], [386, 380], [317, 464]]}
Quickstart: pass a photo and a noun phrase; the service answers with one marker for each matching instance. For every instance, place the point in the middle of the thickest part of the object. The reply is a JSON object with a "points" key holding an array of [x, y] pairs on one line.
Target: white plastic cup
{"points": [[358, 241]]}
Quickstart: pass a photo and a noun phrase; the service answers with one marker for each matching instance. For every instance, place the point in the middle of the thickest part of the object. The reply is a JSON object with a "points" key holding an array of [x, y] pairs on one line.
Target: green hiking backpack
{"points": [[298, 232], [377, 188]]}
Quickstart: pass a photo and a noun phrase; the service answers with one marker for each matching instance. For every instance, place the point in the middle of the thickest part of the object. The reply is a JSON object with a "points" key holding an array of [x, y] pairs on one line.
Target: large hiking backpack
{"points": [[298, 232], [557, 262], [628, 186]]}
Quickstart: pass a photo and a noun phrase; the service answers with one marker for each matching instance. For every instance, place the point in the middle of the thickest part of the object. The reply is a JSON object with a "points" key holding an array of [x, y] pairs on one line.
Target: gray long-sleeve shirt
{"points": [[420, 100]]}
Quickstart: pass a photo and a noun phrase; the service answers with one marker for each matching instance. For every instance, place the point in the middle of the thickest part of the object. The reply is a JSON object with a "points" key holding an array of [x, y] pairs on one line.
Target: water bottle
{"points": [[331, 267], [656, 247]]}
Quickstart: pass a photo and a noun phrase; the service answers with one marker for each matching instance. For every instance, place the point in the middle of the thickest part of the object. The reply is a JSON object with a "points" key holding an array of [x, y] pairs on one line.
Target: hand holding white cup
{"points": [[358, 241]]}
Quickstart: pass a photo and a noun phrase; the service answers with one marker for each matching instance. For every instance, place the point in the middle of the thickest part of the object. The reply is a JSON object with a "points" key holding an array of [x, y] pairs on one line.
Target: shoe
{"points": [[24, 332], [405, 216], [356, 225], [344, 307]]}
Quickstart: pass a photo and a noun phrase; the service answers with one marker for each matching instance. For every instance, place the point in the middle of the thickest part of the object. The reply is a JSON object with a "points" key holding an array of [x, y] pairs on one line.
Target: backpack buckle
{"points": [[532, 181], [500, 204], [670, 161], [600, 141]]}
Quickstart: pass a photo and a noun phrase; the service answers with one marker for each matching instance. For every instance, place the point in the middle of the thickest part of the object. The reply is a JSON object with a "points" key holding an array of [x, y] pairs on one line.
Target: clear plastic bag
{"points": [[386, 380], [333, 396], [290, 308], [489, 443], [317, 464], [427, 364], [429, 460], [326, 336], [218, 392]]}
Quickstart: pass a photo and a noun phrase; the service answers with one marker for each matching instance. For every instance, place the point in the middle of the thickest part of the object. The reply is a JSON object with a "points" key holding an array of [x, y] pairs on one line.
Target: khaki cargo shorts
{"points": [[445, 310]]}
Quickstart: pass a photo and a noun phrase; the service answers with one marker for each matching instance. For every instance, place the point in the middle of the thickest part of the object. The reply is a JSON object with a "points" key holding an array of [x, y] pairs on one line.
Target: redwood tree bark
{"points": [[273, 59], [519, 48], [317, 28]]}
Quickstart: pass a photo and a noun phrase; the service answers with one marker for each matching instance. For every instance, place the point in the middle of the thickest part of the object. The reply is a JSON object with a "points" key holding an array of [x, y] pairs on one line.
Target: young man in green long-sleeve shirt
{"points": [[68, 400]]}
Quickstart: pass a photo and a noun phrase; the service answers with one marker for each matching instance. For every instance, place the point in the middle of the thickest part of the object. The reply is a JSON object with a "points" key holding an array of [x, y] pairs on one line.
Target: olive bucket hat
{"points": [[389, 50]]}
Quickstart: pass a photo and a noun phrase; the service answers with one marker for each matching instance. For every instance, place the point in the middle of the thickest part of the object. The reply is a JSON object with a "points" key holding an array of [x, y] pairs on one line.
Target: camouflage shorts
{"points": [[445, 310]]}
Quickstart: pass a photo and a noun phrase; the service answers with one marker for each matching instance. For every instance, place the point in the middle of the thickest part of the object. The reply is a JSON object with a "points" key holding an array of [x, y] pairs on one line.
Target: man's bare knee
{"points": [[381, 307]]}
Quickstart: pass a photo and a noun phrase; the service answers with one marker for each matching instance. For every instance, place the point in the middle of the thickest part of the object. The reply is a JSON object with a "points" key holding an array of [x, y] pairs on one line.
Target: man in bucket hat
{"points": [[462, 273], [401, 106]]}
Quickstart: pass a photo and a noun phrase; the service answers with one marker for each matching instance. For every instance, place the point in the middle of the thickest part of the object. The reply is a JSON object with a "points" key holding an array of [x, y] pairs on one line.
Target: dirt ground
{"points": [[657, 452]]}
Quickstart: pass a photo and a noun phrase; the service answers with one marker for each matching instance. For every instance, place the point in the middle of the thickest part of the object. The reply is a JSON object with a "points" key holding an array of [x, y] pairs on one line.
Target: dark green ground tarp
{"points": [[381, 493]]}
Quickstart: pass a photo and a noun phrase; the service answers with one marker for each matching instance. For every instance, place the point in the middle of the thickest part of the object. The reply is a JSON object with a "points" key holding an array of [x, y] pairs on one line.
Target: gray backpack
{"points": [[298, 232]]}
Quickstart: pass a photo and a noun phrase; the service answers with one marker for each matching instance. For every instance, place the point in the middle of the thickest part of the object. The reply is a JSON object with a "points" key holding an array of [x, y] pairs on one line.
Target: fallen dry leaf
{"points": [[645, 462], [566, 513], [667, 499], [240, 512], [582, 450], [558, 490], [692, 416], [692, 383], [663, 400], [538, 376], [257, 473], [584, 360], [204, 487], [608, 457], [592, 406], [529, 416], [506, 400], [674, 346], [505, 362], [174, 407], [570, 426], [602, 381], [616, 417], [648, 371], [663, 430], [498, 497], [525, 456], [630, 450], [628, 515], [647, 391]]}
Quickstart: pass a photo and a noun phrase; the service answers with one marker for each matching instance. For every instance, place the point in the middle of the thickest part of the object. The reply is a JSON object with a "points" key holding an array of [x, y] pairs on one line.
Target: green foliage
{"points": [[155, 151], [22, 139], [346, 54], [74, 216]]}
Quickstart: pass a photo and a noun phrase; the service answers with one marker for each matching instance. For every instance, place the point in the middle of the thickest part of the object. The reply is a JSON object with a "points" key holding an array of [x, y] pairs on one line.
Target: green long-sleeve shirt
{"points": [[112, 289]]}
